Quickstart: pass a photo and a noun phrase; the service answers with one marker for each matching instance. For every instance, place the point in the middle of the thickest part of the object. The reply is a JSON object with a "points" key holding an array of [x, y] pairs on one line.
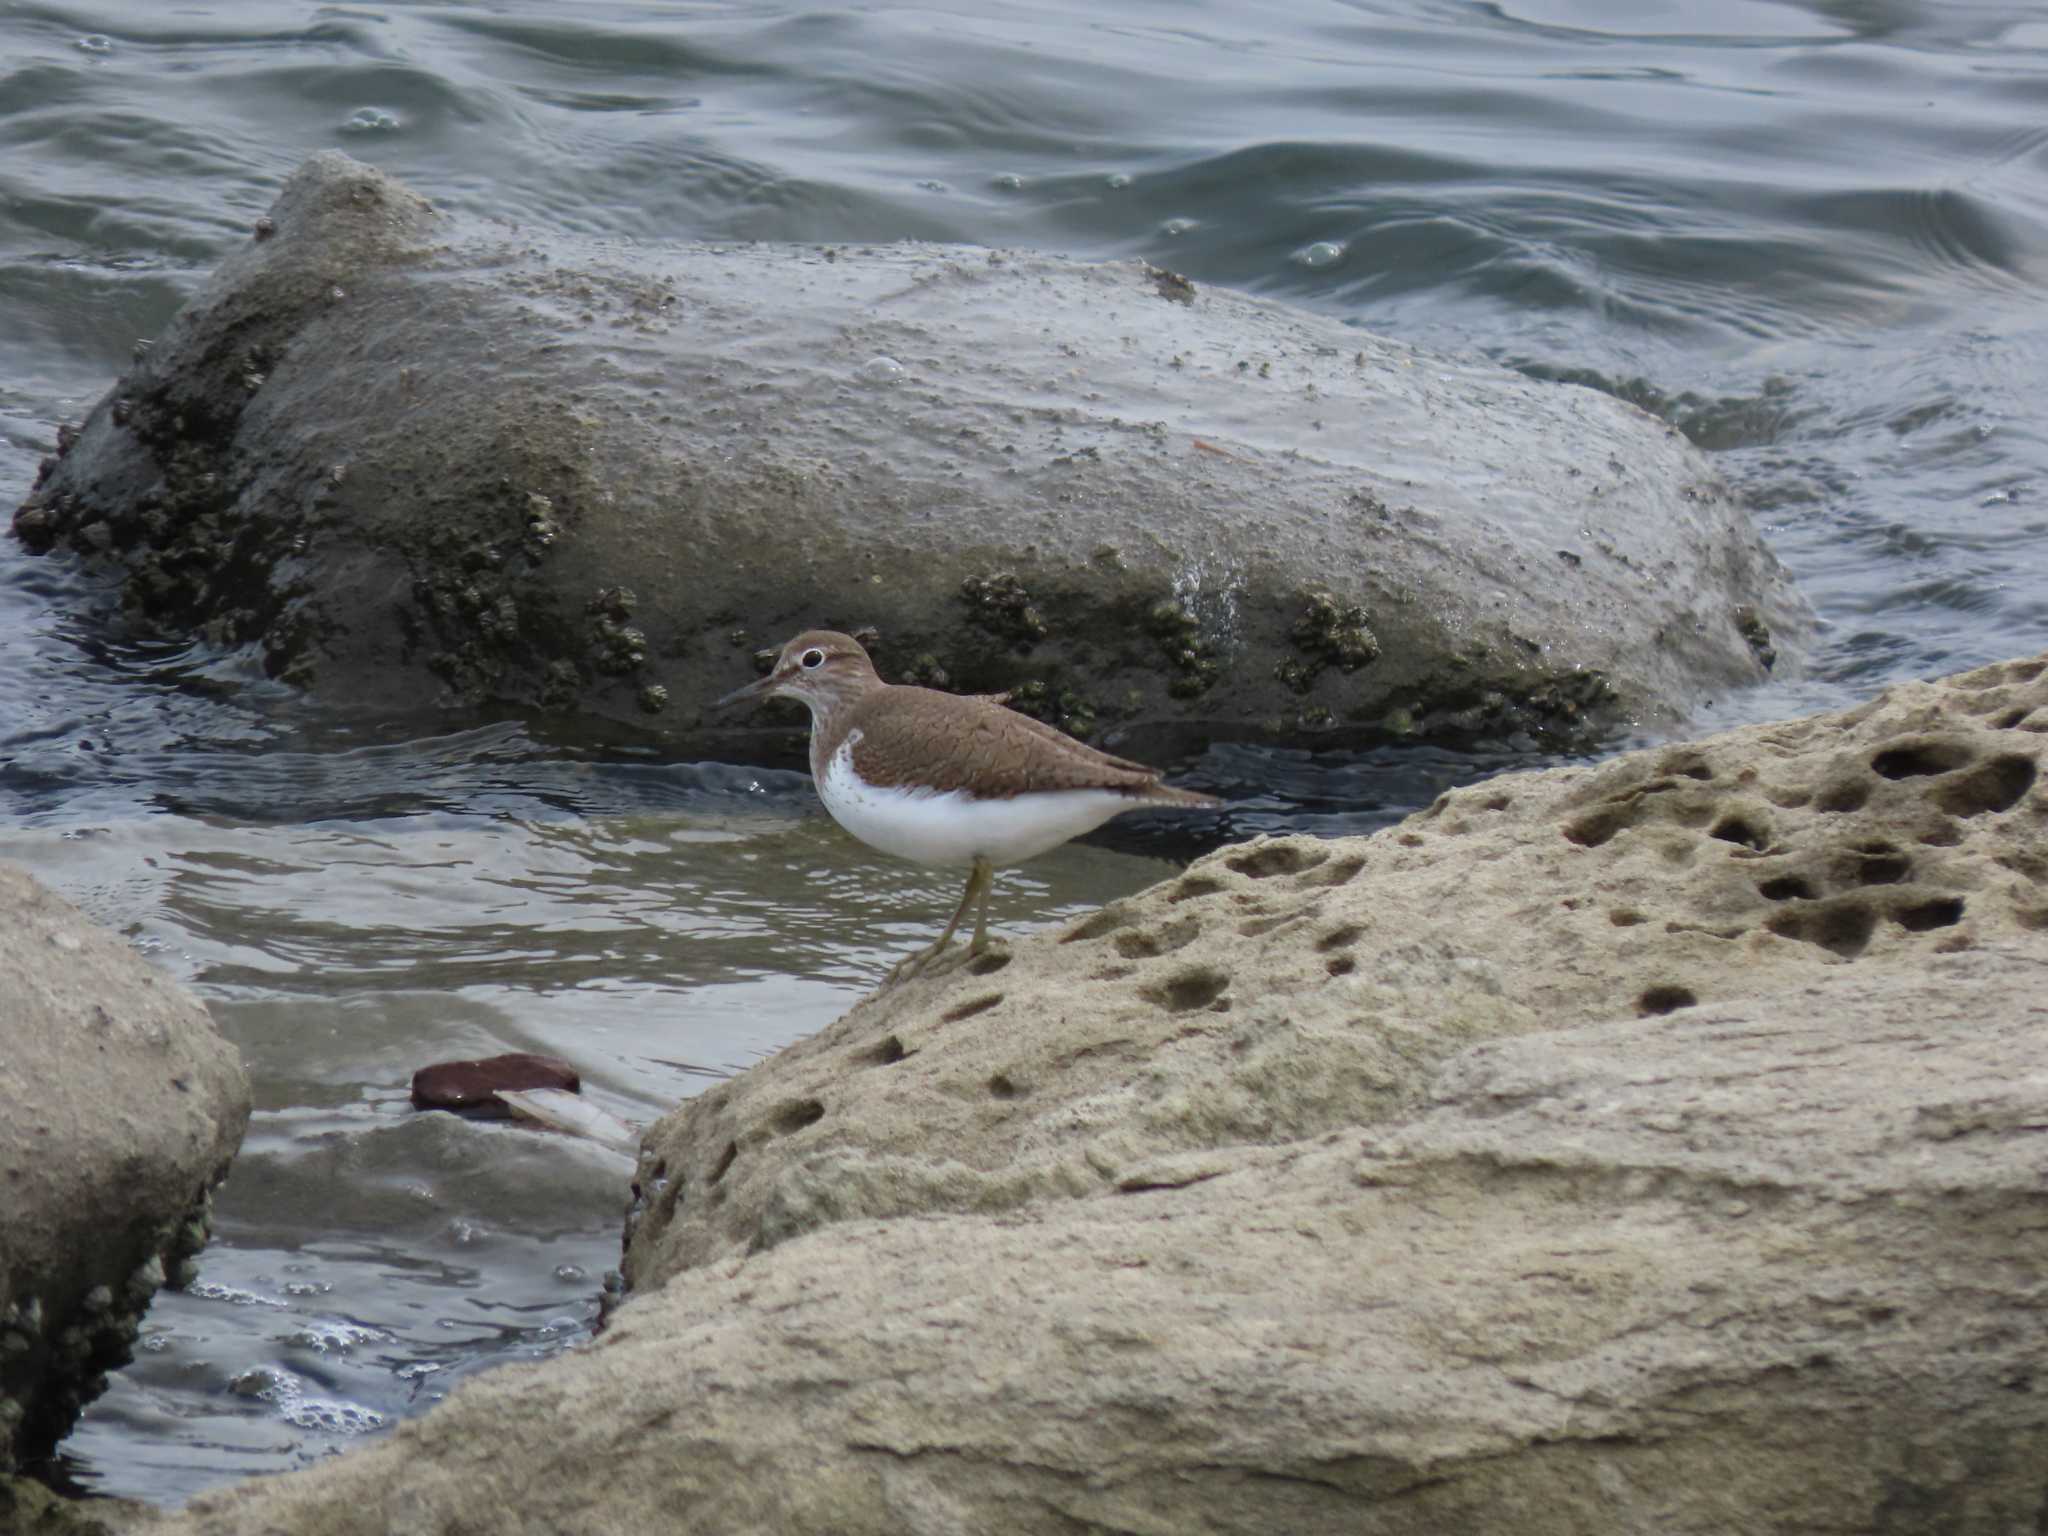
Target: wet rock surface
{"points": [[410, 457], [122, 1108], [1644, 1147]]}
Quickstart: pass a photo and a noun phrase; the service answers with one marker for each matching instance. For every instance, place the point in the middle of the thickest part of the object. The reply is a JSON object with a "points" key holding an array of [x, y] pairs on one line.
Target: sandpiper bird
{"points": [[943, 778]]}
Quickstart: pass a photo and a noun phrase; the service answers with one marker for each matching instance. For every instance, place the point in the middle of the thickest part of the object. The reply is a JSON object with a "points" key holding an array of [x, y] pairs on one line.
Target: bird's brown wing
{"points": [[946, 741]]}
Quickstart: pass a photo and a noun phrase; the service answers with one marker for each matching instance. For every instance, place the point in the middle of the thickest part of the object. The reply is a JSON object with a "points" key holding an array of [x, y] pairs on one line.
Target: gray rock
{"points": [[122, 1108], [410, 456], [1647, 1147]]}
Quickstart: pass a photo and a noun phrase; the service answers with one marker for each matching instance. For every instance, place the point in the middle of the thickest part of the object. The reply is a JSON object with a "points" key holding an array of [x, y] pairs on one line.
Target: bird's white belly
{"points": [[954, 827]]}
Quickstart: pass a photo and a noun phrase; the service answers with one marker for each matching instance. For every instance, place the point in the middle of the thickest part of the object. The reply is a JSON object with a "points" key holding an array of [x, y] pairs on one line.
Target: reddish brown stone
{"points": [[470, 1087]]}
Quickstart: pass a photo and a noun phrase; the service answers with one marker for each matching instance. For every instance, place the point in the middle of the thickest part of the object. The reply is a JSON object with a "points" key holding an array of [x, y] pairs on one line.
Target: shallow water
{"points": [[661, 928], [1811, 235]]}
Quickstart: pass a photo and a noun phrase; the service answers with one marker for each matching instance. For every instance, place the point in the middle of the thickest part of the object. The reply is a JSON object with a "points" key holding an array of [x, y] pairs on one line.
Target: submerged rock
{"points": [[120, 1106], [410, 456], [1652, 1146]]}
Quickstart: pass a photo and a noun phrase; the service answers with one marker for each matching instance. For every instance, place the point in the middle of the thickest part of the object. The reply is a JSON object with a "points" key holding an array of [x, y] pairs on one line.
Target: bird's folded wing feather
{"points": [[919, 736]]}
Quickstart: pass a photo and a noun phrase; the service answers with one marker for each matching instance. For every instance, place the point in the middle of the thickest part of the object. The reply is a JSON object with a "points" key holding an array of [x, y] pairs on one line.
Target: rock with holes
{"points": [[1764, 1265], [119, 1109], [1653, 1146], [405, 455], [1284, 989]]}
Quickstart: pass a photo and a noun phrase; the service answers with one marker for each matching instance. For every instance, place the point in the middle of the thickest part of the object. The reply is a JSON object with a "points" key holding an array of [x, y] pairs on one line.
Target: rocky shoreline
{"points": [[1653, 1145], [1645, 1146]]}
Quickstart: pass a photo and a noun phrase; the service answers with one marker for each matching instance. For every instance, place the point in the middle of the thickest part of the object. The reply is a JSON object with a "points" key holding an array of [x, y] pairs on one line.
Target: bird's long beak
{"points": [[760, 688]]}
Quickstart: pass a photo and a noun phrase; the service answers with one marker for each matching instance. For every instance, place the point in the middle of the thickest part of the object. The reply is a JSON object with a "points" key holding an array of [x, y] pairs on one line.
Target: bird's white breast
{"points": [[954, 827]]}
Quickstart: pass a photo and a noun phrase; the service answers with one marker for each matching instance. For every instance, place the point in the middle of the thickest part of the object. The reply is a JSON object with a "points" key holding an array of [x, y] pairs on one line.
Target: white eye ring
{"points": [[812, 659]]}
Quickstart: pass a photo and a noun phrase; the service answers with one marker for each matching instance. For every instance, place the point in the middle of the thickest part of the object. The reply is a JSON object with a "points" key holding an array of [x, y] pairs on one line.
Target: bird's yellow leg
{"points": [[987, 873], [978, 881]]}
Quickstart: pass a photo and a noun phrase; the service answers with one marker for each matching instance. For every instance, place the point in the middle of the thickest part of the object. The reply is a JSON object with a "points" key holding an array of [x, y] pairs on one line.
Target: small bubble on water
{"points": [[933, 186], [1116, 181], [334, 1338], [287, 1393], [1009, 182], [1324, 253], [1175, 227], [571, 1274], [880, 370], [234, 1296], [371, 120], [94, 42], [335, 1417]]}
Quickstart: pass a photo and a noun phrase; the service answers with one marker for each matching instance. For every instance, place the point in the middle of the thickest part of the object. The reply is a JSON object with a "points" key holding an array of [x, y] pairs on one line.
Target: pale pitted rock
{"points": [[1764, 1266], [122, 1106], [1285, 988], [410, 455]]}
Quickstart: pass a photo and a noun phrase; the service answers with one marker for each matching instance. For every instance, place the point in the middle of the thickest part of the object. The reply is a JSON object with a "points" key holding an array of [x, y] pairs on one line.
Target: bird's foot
{"points": [[978, 958], [913, 965]]}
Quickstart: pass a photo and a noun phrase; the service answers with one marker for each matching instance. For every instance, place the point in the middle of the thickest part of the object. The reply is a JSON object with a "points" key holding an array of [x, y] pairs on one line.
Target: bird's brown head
{"points": [[821, 667]]}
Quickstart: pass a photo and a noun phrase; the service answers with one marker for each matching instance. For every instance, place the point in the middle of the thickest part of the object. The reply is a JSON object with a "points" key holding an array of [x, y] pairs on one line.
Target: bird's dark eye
{"points": [[811, 659]]}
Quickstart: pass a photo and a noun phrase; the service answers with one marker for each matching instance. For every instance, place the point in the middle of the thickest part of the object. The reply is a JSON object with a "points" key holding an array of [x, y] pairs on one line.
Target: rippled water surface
{"points": [[1810, 235]]}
